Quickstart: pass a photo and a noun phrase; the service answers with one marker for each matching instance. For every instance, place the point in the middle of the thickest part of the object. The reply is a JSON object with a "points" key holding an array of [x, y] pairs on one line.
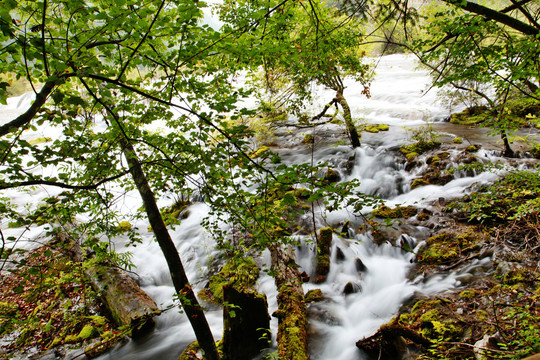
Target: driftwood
{"points": [[389, 341], [292, 335], [127, 303], [246, 323]]}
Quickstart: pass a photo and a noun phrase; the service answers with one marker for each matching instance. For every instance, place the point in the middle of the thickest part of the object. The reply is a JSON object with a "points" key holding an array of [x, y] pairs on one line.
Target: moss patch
{"points": [[419, 147], [241, 273], [395, 213]]}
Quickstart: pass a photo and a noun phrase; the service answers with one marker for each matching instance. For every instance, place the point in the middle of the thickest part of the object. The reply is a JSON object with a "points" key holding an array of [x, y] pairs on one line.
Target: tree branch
{"points": [[25, 118], [496, 16], [62, 185]]}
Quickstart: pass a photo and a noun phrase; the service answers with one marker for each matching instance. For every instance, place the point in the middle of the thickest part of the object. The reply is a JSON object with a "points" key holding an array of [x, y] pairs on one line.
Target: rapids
{"points": [[399, 99]]}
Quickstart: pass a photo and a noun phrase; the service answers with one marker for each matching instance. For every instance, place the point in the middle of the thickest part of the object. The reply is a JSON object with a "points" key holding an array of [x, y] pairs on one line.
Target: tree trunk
{"points": [[351, 129], [246, 323], [185, 293], [508, 152], [291, 313]]}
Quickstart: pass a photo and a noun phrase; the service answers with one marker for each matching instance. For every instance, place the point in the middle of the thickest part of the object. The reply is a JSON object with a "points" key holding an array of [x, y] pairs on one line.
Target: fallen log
{"points": [[291, 313], [126, 302]]}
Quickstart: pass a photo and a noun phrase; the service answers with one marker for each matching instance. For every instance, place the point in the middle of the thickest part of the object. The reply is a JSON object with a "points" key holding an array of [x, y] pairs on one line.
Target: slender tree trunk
{"points": [[292, 328], [187, 297], [508, 152], [351, 129]]}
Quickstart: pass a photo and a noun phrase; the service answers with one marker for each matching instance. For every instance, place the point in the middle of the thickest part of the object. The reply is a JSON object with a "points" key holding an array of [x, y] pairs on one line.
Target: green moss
{"points": [[430, 316], [383, 127], [535, 151], [419, 147], [259, 152], [314, 295], [472, 149], [471, 116], [241, 273], [308, 139], [71, 339], [372, 128], [331, 176], [457, 140], [411, 156], [433, 160], [514, 277], [124, 225], [394, 213], [87, 332], [467, 294], [423, 216]]}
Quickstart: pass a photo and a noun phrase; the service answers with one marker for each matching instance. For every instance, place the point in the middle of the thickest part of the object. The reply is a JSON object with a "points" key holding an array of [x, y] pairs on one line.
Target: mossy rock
{"points": [[241, 273], [423, 216], [433, 160], [471, 116], [467, 294], [332, 176], [472, 148], [314, 295], [383, 127], [259, 152], [372, 129], [394, 213], [457, 140], [308, 139], [419, 147], [124, 226], [447, 247], [411, 156], [87, 332]]}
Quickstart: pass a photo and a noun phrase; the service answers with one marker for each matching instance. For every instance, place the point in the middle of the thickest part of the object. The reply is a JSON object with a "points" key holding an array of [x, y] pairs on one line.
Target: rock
{"points": [[488, 342], [359, 264], [340, 255], [332, 176], [351, 288], [314, 295]]}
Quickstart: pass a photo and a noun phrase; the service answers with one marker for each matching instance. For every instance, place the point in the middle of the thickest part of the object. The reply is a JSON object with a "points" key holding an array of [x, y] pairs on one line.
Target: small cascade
{"points": [[367, 283]]}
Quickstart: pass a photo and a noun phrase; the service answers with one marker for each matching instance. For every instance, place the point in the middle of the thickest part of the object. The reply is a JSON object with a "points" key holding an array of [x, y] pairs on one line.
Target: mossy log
{"points": [[246, 323], [324, 242], [291, 313], [389, 341], [127, 302]]}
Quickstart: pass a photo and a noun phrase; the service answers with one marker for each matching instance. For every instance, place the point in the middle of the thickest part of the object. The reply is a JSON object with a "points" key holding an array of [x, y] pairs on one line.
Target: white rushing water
{"points": [[398, 99]]}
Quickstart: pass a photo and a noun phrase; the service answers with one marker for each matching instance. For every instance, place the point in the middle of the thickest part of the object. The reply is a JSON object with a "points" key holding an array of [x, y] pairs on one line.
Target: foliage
{"points": [[47, 301], [513, 197]]}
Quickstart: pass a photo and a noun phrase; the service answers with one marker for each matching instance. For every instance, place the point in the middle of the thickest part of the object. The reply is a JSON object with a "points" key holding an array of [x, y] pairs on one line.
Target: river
{"points": [[398, 99]]}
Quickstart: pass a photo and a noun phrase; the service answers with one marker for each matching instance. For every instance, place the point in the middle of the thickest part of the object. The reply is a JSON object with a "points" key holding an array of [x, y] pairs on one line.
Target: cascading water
{"points": [[378, 273]]}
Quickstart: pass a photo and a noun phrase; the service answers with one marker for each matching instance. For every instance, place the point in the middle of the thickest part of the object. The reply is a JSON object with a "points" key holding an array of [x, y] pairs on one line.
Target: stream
{"points": [[398, 99]]}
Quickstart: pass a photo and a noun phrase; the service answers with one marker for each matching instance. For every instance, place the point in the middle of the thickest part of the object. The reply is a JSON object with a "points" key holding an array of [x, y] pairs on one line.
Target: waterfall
{"points": [[382, 284]]}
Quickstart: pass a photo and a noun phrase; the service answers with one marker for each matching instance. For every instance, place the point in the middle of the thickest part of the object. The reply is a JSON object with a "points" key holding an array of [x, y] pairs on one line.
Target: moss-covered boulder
{"points": [[419, 147], [331, 176], [471, 116]]}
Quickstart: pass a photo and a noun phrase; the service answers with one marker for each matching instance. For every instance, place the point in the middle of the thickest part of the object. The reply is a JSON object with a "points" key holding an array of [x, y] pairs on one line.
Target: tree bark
{"points": [[181, 284], [508, 152], [291, 313], [351, 129]]}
